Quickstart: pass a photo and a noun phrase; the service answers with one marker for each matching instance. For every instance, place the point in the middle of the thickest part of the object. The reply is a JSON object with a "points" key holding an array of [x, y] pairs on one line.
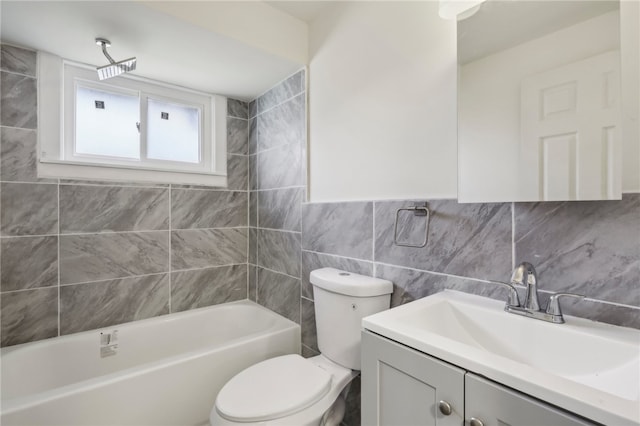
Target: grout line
{"points": [[115, 278], [19, 73], [278, 272], [58, 241], [29, 183], [340, 256], [17, 128], [373, 245], [278, 230], [170, 248], [208, 267], [513, 236]]}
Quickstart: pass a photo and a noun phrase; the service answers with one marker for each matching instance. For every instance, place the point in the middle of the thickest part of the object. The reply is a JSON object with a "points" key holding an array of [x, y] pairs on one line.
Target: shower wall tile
{"points": [[18, 60], [206, 287], [280, 208], [253, 208], [207, 209], [236, 108], [279, 251], [107, 303], [253, 172], [597, 311], [410, 284], [18, 155], [345, 229], [307, 352], [308, 324], [280, 167], [112, 208], [93, 257], [280, 293], [203, 248], [238, 172], [281, 92], [312, 261], [282, 125], [27, 316], [18, 101], [253, 108], [253, 246], [28, 209], [28, 262], [237, 136], [352, 417], [252, 285], [253, 135], [470, 240], [592, 248]]}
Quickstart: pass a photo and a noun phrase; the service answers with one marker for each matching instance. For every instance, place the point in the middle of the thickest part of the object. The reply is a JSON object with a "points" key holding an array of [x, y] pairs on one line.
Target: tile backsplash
{"points": [[80, 255]]}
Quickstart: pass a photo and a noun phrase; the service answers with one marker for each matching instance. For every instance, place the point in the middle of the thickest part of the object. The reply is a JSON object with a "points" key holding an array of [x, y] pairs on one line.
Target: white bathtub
{"points": [[167, 370]]}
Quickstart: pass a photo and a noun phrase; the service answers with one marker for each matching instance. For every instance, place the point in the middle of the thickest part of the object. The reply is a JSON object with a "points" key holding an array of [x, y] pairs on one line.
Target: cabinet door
{"points": [[496, 405], [401, 386]]}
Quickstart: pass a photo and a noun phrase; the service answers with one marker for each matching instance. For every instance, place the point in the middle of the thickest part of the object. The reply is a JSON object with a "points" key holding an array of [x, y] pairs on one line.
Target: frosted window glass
{"points": [[110, 130], [173, 132]]}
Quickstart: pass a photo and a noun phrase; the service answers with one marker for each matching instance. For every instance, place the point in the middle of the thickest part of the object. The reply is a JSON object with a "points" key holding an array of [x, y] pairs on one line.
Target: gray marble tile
{"points": [[470, 240], [281, 92], [410, 285], [253, 246], [28, 262], [16, 59], [279, 251], [253, 136], [308, 324], [236, 108], [252, 286], [280, 209], [93, 257], [352, 415], [27, 316], [238, 172], [207, 209], [28, 209], [116, 183], [253, 172], [282, 125], [602, 312], [18, 101], [18, 155], [592, 248], [312, 261], [345, 229], [280, 293], [203, 248], [280, 167], [113, 208], [253, 208], [206, 287], [107, 303], [253, 108], [237, 136], [307, 352]]}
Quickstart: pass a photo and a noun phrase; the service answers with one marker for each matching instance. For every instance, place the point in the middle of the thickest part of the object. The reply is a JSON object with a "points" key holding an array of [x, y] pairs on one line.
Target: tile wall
{"points": [[77, 255]]}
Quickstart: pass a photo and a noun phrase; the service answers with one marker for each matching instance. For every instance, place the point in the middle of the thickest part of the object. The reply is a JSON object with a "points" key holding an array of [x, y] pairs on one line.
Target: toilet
{"points": [[291, 390]]}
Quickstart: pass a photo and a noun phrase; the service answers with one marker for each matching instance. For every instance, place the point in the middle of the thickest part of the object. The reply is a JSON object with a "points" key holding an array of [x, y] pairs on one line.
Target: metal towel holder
{"points": [[420, 210]]}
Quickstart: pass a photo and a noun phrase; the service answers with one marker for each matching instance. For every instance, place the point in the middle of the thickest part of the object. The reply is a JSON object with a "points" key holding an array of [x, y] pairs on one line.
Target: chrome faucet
{"points": [[525, 275]]}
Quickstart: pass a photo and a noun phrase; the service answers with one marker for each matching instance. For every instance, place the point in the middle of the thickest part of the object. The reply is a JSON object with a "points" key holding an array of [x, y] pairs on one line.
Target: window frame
{"points": [[58, 80]]}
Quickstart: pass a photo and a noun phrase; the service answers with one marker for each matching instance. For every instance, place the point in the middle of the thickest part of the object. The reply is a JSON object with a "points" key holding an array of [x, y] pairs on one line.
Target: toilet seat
{"points": [[271, 389]]}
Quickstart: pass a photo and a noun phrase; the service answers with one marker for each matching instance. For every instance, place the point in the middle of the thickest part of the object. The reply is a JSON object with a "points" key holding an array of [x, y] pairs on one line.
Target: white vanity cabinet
{"points": [[402, 386]]}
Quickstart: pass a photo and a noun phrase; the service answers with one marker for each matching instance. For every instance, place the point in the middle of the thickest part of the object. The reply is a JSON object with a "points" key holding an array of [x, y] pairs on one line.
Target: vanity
{"points": [[455, 358]]}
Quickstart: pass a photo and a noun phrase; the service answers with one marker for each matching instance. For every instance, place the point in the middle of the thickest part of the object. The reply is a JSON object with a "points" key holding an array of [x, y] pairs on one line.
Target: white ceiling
{"points": [[305, 10], [501, 24], [169, 47]]}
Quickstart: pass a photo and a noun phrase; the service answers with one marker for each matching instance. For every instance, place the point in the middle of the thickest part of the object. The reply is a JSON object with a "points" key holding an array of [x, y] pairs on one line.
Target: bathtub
{"points": [[161, 371]]}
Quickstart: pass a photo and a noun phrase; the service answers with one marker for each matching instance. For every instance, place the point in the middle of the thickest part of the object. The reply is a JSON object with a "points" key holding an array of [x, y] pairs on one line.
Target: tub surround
{"points": [[79, 255]]}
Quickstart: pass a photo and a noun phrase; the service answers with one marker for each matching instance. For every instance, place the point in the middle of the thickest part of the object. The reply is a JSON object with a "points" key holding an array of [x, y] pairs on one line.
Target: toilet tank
{"points": [[342, 299]]}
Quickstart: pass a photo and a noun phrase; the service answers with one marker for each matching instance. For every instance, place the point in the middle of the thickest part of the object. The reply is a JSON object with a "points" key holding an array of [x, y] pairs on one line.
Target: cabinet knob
{"points": [[475, 422], [445, 408]]}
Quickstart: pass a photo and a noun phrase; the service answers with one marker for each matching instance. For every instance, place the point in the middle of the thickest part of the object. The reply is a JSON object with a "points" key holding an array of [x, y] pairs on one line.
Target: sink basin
{"points": [[589, 368]]}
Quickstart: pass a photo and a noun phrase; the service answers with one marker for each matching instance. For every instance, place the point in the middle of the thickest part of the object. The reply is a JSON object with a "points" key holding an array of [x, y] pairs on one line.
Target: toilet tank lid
{"points": [[350, 284]]}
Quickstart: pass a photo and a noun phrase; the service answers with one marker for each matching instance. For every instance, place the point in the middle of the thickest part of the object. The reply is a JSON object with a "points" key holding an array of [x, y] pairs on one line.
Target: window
{"points": [[127, 128]]}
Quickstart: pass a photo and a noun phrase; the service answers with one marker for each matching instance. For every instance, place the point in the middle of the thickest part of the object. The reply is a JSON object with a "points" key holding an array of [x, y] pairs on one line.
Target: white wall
{"points": [[630, 40], [489, 109], [382, 102]]}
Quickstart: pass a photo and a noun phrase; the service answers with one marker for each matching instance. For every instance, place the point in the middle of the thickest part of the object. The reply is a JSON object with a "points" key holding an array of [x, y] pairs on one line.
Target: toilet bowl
{"points": [[291, 390]]}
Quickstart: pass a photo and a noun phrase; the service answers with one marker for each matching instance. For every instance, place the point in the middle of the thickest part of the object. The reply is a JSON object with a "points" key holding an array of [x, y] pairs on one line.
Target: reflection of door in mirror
{"points": [[570, 126], [539, 101]]}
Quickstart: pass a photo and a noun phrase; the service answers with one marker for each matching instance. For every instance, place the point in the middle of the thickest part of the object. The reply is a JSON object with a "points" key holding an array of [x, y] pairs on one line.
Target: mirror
{"points": [[539, 102]]}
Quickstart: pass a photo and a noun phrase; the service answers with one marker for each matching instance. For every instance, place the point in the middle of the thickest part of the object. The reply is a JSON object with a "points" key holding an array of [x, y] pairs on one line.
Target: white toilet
{"points": [[291, 390]]}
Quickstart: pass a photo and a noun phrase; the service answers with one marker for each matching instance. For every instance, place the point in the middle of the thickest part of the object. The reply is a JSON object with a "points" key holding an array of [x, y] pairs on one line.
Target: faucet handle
{"points": [[553, 308], [514, 300]]}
